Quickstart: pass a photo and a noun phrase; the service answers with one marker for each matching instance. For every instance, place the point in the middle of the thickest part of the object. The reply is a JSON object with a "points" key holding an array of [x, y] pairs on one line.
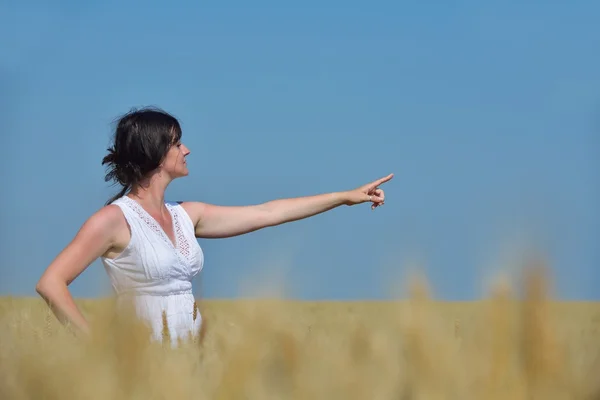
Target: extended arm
{"points": [[212, 221]]}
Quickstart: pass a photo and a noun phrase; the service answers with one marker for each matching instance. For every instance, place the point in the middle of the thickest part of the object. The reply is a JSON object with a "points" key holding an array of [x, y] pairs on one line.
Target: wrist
{"points": [[344, 198]]}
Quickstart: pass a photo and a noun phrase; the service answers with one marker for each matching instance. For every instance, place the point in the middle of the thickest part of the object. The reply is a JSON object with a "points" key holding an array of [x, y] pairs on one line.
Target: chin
{"points": [[180, 174]]}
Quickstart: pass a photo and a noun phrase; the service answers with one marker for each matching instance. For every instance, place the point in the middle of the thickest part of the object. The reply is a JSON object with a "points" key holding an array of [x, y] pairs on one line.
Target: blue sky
{"points": [[488, 113]]}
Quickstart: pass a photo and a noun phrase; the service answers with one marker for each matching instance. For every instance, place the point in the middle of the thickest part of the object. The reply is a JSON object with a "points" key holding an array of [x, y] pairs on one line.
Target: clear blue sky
{"points": [[488, 113]]}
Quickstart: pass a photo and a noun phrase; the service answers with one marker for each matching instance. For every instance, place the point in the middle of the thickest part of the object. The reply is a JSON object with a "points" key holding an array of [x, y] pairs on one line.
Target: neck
{"points": [[151, 191]]}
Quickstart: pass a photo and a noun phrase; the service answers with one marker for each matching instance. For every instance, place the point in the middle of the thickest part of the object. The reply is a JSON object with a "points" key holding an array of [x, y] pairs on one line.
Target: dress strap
{"points": [[127, 212]]}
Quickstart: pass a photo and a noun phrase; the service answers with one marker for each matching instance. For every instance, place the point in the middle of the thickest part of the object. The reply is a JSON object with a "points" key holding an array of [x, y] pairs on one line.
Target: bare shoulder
{"points": [[109, 226], [106, 219], [195, 209]]}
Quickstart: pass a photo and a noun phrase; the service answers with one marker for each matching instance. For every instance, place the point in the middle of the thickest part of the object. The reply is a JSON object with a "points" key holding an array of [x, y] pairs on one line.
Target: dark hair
{"points": [[141, 141]]}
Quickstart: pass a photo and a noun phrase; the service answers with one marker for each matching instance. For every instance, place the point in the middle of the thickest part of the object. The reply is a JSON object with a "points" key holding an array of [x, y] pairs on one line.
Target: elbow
{"points": [[269, 218], [41, 288], [45, 286], [266, 216]]}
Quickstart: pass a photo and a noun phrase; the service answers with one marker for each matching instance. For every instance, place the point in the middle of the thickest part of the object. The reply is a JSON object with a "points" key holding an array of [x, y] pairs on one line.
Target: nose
{"points": [[186, 151]]}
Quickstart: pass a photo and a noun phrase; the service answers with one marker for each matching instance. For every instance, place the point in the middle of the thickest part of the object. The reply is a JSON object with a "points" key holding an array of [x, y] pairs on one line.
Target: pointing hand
{"points": [[368, 193]]}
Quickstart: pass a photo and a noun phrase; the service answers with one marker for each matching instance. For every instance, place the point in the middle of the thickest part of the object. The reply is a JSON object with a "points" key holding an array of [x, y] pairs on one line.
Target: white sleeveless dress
{"points": [[156, 274]]}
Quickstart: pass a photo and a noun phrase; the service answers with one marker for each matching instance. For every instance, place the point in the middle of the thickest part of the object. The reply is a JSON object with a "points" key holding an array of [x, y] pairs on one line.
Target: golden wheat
{"points": [[503, 347]]}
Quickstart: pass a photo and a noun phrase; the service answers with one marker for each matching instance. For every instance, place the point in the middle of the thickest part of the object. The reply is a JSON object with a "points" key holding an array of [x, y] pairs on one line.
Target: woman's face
{"points": [[174, 163]]}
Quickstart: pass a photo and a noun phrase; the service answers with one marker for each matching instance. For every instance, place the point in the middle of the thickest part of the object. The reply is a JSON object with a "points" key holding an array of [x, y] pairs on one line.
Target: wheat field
{"points": [[509, 345]]}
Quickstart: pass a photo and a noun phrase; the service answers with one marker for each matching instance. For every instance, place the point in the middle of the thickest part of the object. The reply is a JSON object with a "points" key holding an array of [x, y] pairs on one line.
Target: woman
{"points": [[148, 246]]}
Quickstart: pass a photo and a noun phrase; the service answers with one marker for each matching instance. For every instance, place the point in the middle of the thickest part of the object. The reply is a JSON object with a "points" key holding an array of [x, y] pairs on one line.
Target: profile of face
{"points": [[174, 163]]}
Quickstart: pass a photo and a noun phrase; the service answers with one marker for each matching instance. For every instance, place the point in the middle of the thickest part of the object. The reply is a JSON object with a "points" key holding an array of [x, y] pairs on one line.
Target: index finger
{"points": [[382, 180]]}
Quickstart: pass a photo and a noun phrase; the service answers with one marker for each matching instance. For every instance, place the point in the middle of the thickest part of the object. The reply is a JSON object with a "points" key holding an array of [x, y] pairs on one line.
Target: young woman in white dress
{"points": [[148, 246]]}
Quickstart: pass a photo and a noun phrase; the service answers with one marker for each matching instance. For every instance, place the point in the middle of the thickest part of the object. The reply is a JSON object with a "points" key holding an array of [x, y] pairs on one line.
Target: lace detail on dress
{"points": [[184, 246], [181, 242]]}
